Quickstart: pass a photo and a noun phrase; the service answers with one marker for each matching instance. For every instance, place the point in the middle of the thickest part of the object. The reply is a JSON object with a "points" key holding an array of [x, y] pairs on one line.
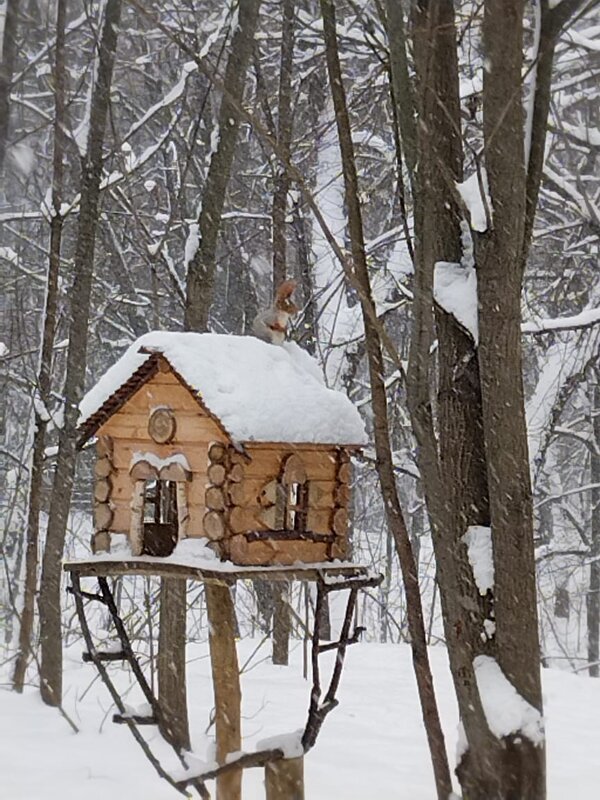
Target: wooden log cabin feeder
{"points": [[222, 438]]}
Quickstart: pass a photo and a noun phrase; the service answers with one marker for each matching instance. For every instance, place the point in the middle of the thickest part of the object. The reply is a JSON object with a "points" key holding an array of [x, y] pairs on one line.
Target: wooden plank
{"points": [[125, 448], [255, 491], [266, 463], [154, 393], [246, 519], [252, 518], [268, 552], [122, 486], [191, 428], [161, 568]]}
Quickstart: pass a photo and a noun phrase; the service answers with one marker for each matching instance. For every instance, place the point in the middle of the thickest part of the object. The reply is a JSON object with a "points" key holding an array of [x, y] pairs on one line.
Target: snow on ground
{"points": [[373, 745]]}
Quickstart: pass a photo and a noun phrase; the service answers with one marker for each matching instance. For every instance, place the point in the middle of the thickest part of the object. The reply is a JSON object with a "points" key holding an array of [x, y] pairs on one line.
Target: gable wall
{"points": [[128, 429]]}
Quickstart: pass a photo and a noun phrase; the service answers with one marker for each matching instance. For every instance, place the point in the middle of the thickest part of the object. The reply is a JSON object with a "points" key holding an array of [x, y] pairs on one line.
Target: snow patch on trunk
{"points": [[475, 200], [455, 290], [505, 710], [478, 539]]}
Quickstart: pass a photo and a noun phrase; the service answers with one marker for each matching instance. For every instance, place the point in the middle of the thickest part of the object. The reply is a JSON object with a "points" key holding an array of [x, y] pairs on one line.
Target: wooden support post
{"points": [[284, 779], [172, 691], [226, 683], [281, 623]]}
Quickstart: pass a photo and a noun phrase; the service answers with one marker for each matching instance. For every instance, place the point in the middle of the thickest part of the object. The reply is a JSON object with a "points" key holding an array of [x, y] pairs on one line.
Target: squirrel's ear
{"points": [[286, 289]]}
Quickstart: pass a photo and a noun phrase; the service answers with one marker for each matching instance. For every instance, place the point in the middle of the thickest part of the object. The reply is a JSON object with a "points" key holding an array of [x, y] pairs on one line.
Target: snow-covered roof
{"points": [[258, 391]]}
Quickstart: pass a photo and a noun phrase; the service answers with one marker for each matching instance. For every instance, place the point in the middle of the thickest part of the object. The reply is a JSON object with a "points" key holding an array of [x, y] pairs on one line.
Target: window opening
{"points": [[296, 509], [160, 517]]}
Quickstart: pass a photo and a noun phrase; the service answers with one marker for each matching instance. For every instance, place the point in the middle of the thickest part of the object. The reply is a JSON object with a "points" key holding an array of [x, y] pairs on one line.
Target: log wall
{"points": [[230, 493], [128, 431]]}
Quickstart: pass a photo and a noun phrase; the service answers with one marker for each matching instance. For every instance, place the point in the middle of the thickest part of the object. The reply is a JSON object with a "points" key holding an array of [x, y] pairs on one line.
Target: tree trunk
{"points": [[7, 66], [202, 266], [593, 595], [281, 624], [453, 468], [284, 136], [226, 683], [45, 370], [50, 607], [395, 519], [172, 686], [500, 275]]}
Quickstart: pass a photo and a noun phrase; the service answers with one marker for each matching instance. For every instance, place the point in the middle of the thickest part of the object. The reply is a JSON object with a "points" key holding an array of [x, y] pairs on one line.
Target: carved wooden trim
{"points": [[288, 536], [143, 471], [136, 518], [183, 512], [175, 472], [294, 470]]}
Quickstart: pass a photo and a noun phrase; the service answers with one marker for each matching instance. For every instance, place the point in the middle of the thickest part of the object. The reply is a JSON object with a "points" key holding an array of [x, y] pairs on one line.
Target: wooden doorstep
{"points": [[162, 569]]}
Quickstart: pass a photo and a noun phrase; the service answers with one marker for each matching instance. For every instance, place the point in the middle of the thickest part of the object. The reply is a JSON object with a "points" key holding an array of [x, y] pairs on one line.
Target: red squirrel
{"points": [[271, 324]]}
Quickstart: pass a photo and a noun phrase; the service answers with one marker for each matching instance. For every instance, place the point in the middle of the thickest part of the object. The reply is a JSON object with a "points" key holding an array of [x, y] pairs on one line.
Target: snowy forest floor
{"points": [[373, 745]]}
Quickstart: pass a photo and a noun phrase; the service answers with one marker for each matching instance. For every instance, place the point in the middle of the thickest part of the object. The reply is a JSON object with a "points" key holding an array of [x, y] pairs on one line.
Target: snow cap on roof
{"points": [[258, 391]]}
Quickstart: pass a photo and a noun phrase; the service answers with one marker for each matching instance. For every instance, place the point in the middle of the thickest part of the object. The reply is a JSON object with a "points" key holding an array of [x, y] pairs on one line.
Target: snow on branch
{"points": [[585, 319], [506, 712]]}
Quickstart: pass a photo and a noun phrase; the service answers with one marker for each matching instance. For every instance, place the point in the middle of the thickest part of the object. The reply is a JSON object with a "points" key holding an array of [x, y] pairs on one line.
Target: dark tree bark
{"points": [[44, 376], [284, 137], [452, 466], [281, 612], [7, 66], [395, 519], [593, 595], [281, 625], [49, 601], [402, 92], [202, 267], [500, 275]]}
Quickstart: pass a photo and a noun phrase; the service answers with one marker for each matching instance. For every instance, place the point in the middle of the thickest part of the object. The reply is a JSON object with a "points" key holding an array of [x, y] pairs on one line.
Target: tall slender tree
{"points": [[45, 369], [49, 599]]}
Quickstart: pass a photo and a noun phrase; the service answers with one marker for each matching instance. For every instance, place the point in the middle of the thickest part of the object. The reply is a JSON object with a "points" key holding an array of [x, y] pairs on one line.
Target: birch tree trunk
{"points": [[45, 370], [49, 601]]}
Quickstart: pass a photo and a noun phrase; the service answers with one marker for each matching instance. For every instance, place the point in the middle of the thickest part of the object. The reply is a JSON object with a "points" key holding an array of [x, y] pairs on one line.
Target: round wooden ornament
{"points": [[162, 425]]}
